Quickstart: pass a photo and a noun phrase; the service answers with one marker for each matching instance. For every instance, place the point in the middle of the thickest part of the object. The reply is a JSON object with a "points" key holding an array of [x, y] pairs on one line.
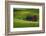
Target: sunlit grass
{"points": [[23, 23]]}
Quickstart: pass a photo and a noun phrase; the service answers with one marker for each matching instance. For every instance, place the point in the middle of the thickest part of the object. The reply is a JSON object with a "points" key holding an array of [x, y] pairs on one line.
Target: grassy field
{"points": [[20, 14]]}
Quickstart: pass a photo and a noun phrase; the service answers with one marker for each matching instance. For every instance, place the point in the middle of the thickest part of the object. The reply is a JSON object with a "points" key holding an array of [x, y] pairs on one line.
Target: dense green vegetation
{"points": [[20, 14]]}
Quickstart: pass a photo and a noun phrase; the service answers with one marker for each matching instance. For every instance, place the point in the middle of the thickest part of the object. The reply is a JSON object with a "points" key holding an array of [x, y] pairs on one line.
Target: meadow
{"points": [[19, 18]]}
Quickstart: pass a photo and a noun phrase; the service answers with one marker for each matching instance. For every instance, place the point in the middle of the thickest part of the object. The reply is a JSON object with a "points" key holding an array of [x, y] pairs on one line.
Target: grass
{"points": [[19, 14], [21, 23]]}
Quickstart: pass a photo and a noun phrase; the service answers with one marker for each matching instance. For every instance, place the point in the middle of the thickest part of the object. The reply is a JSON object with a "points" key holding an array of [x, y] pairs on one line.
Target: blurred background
{"points": [[26, 17]]}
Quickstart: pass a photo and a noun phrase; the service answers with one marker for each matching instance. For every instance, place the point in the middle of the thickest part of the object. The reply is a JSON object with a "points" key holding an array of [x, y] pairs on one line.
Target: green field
{"points": [[20, 14]]}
